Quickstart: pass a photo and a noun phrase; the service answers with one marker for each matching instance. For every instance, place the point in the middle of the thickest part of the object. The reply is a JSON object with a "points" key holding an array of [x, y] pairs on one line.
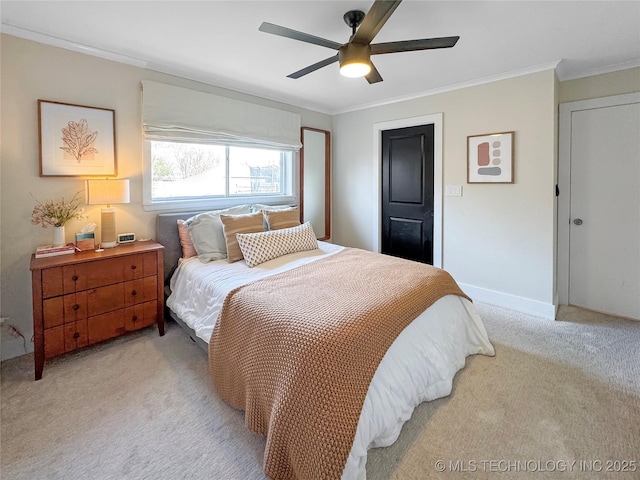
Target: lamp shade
{"points": [[106, 192]]}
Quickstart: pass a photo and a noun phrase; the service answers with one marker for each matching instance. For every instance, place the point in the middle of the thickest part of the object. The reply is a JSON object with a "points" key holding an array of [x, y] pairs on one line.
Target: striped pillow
{"points": [[234, 224], [260, 247], [277, 219]]}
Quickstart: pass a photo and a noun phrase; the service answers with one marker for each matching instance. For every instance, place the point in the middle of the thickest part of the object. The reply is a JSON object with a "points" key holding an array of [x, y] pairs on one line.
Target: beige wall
{"points": [[605, 85], [32, 71], [498, 239]]}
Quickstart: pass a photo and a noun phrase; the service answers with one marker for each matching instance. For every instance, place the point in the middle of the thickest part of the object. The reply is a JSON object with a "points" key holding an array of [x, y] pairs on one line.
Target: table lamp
{"points": [[106, 192]]}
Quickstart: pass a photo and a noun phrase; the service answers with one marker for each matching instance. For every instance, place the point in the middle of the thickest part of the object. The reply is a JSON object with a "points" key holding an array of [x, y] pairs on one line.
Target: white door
{"points": [[604, 231]]}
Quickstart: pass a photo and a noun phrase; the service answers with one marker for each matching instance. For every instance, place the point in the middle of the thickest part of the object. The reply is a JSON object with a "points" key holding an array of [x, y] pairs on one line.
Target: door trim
{"points": [[434, 119], [564, 179]]}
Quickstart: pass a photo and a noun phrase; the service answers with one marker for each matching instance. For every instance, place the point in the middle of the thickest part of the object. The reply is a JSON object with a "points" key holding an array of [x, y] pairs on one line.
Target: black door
{"points": [[407, 193]]}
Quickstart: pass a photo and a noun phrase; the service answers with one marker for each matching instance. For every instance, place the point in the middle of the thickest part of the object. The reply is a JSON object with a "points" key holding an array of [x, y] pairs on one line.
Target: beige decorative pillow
{"points": [[234, 224], [260, 247], [277, 219], [188, 250]]}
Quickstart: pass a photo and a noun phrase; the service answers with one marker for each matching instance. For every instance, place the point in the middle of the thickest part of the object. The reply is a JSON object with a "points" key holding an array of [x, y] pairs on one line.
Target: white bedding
{"points": [[419, 366]]}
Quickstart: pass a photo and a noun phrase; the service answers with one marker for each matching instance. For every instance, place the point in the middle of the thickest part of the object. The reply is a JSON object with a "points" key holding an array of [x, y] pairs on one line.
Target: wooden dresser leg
{"points": [[39, 364], [38, 322]]}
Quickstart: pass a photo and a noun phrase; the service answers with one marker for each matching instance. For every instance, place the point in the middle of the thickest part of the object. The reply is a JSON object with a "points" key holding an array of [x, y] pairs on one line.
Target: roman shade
{"points": [[177, 114]]}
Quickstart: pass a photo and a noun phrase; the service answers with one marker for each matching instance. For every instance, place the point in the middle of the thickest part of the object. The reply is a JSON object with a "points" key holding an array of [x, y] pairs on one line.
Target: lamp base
{"points": [[108, 237]]}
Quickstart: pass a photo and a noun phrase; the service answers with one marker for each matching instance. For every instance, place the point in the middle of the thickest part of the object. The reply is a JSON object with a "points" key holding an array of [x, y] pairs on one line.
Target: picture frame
{"points": [[490, 158], [76, 140]]}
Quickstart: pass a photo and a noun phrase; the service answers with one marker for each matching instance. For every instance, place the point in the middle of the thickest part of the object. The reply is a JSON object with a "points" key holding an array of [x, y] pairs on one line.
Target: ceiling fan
{"points": [[355, 55]]}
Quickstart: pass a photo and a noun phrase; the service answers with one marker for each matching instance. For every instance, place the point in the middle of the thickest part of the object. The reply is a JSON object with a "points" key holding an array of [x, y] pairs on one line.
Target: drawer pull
{"points": [[76, 335], [133, 292], [76, 306], [133, 267], [74, 278], [134, 318]]}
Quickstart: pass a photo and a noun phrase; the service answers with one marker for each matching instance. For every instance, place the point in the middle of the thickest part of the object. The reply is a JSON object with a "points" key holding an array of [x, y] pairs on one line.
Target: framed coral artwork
{"points": [[76, 140], [490, 158]]}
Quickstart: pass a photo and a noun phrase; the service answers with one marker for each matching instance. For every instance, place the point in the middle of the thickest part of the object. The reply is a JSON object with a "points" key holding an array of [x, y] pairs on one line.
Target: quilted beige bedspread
{"points": [[297, 351]]}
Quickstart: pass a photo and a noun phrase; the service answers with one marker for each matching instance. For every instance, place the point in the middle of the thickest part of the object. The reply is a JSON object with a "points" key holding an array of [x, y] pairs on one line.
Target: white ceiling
{"points": [[218, 42]]}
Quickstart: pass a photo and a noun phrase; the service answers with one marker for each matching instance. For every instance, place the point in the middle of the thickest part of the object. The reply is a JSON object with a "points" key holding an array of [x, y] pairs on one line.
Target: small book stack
{"points": [[51, 251]]}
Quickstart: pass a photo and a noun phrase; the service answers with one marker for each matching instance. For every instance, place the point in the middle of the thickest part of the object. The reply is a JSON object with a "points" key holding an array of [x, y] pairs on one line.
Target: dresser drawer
{"points": [[106, 272], [67, 279], [105, 299], [76, 335], [65, 309], [141, 315], [53, 312], [65, 338], [140, 291], [108, 325], [54, 341], [140, 266]]}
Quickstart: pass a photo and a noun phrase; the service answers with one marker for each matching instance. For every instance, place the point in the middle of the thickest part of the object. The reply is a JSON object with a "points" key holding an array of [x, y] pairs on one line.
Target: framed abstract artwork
{"points": [[490, 158], [76, 140]]}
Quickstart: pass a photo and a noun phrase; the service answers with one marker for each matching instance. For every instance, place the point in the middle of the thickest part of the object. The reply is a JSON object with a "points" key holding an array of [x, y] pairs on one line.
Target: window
{"points": [[201, 175], [205, 151]]}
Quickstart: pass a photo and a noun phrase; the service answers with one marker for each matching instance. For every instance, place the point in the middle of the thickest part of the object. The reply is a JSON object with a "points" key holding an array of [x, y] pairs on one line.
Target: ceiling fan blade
{"points": [[374, 20], [314, 67], [412, 45], [374, 75], [295, 35]]}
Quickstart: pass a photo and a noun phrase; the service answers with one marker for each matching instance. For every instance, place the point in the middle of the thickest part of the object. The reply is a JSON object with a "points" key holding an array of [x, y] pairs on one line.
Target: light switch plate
{"points": [[453, 190]]}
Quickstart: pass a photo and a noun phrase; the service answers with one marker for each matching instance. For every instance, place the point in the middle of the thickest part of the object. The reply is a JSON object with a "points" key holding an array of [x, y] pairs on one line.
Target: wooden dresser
{"points": [[87, 297]]}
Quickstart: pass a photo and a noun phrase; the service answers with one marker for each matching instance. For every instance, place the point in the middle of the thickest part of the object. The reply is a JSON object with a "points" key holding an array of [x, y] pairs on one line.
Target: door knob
{"points": [[578, 221]]}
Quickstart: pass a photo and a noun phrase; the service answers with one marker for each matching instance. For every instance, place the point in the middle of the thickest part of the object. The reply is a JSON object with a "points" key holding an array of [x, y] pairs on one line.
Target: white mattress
{"points": [[419, 366]]}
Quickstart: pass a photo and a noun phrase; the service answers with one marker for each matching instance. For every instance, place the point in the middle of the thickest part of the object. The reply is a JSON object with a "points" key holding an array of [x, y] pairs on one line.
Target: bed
{"points": [[419, 364]]}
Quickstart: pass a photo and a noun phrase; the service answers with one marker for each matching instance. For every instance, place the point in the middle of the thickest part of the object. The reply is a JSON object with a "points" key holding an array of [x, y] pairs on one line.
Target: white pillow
{"points": [[256, 207], [260, 247], [207, 235]]}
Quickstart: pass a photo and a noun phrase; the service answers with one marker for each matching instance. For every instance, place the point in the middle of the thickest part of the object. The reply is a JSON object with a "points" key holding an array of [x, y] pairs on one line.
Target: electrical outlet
{"points": [[3, 320]]}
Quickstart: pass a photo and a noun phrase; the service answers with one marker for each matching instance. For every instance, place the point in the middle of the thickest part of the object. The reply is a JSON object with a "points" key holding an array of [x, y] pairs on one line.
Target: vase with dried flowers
{"points": [[57, 215]]}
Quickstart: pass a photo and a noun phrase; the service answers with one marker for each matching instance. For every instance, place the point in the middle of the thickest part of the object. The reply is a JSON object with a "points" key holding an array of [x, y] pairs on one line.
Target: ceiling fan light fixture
{"points": [[355, 60], [355, 69]]}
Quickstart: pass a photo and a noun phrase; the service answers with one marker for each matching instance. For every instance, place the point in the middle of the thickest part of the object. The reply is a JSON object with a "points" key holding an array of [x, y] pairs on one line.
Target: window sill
{"points": [[218, 203]]}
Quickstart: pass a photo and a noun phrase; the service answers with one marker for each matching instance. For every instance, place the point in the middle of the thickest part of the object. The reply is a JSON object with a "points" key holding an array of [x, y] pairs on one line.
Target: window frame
{"points": [[148, 204]]}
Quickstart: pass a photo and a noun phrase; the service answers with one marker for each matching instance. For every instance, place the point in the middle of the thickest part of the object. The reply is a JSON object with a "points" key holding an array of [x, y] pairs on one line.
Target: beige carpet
{"points": [[143, 407]]}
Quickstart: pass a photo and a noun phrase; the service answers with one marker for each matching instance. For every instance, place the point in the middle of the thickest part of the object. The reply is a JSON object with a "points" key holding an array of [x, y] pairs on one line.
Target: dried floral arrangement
{"points": [[78, 141], [57, 214]]}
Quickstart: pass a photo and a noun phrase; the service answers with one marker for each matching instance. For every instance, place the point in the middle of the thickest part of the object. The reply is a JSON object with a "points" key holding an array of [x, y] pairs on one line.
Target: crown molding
{"points": [[69, 45], [457, 86], [564, 75]]}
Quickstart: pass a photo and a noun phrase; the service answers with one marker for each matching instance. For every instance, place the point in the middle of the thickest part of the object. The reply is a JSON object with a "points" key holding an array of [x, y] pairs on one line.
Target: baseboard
{"points": [[13, 347], [513, 302]]}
